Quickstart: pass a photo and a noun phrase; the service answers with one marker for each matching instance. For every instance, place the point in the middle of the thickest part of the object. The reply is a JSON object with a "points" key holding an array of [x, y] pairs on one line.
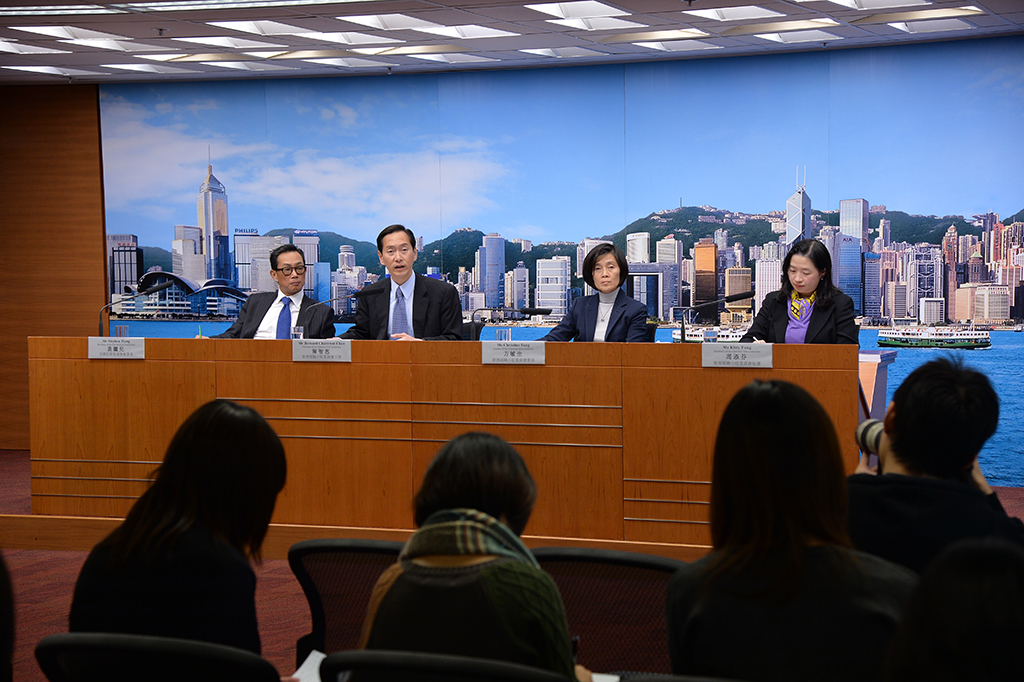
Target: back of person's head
{"points": [[478, 471], [222, 472], [965, 620], [942, 415], [777, 482]]}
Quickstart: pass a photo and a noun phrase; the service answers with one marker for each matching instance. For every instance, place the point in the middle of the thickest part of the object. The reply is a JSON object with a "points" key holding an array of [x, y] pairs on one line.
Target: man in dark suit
{"points": [[272, 314], [405, 306]]}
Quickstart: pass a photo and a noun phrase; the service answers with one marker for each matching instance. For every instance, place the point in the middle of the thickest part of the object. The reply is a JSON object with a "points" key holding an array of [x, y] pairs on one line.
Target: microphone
{"points": [[728, 299], [146, 292], [534, 311], [330, 300], [372, 292]]}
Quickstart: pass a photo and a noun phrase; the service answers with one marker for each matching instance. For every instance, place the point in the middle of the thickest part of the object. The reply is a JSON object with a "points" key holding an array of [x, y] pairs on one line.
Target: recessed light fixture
{"points": [[585, 9], [930, 26], [469, 31], [559, 52], [259, 27], [147, 68], [456, 58], [15, 47], [251, 66], [596, 24], [812, 36], [679, 45], [877, 4], [199, 5], [734, 13], [350, 62], [226, 41], [69, 32], [55, 71], [389, 22], [117, 45], [162, 57]]}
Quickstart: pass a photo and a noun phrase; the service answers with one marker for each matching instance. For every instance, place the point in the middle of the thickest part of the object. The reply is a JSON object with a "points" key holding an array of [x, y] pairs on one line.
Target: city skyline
{"points": [[561, 155]]}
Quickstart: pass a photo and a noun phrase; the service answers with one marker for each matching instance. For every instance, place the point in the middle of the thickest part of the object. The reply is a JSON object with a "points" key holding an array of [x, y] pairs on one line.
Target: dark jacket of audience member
{"points": [[965, 620], [783, 596], [931, 492], [179, 564], [465, 584]]}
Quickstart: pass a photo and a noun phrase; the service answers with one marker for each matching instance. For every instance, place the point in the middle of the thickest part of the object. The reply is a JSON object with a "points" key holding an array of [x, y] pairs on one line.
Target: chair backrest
{"points": [[338, 576], [652, 331], [471, 330], [615, 603], [377, 665], [105, 657]]}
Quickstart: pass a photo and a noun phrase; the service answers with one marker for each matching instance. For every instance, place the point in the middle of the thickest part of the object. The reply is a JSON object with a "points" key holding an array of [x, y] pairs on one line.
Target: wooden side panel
{"points": [[51, 193]]}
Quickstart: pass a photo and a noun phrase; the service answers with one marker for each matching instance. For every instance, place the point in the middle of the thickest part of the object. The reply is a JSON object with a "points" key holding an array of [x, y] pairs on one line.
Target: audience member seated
{"points": [[178, 565], [465, 584], [783, 596], [965, 621], [930, 491]]}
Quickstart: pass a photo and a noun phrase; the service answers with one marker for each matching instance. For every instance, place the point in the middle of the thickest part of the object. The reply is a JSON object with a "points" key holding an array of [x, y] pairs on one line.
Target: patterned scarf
{"points": [[800, 308], [457, 532]]}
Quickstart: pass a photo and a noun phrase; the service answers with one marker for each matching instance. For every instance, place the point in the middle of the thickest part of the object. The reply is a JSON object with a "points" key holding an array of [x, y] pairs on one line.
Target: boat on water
{"points": [[709, 335], [933, 337]]}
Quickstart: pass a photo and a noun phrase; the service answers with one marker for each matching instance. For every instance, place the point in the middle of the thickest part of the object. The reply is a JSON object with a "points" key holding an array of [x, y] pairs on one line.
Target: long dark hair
{"points": [[773, 495], [598, 252], [222, 471], [816, 252], [478, 471]]}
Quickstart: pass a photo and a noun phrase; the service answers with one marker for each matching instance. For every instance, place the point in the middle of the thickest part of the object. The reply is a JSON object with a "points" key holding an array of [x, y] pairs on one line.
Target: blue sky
{"points": [[563, 154]]}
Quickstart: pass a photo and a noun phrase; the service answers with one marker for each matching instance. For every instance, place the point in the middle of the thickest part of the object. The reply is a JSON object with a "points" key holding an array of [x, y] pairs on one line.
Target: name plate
{"points": [[321, 350], [117, 348], [512, 352], [736, 355]]}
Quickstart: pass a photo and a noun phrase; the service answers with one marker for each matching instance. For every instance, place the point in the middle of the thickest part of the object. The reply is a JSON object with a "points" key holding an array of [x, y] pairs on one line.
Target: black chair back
{"points": [[338, 576], [378, 665], [615, 603], [105, 657]]}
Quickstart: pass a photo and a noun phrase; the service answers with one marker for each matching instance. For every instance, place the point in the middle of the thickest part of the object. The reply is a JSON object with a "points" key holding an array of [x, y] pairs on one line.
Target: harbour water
{"points": [[1002, 458]]}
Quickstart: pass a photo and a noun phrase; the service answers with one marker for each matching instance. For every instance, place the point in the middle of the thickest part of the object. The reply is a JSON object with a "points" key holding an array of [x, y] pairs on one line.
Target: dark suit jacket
{"points": [[833, 324], [628, 321], [436, 311], [317, 321]]}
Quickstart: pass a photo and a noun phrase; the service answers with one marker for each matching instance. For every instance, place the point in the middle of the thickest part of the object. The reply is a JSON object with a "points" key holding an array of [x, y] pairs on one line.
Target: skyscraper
{"points": [[308, 241], [552, 287], [885, 232], [638, 247], [243, 257], [872, 285], [853, 220], [925, 279], [670, 250], [768, 279], [492, 270], [187, 257], [848, 268], [346, 257], [124, 262], [705, 276], [259, 268], [212, 211], [798, 217], [520, 286], [737, 281]]}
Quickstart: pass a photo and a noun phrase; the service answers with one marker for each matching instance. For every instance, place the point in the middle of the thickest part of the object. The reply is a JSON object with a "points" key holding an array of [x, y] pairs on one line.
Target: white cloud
{"points": [[346, 115]]}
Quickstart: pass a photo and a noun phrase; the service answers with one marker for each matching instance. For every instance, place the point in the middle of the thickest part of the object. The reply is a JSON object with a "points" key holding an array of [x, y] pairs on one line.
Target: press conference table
{"points": [[617, 436]]}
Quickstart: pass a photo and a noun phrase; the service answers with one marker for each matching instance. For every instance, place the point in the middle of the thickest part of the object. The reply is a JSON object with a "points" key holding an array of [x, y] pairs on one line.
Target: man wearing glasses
{"points": [[273, 314]]}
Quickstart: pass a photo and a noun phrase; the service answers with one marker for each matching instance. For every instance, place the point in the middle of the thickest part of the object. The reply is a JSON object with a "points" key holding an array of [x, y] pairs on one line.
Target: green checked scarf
{"points": [[454, 532]]}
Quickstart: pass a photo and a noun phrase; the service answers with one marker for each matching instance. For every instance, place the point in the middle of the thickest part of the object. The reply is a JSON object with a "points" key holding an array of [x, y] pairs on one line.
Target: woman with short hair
{"points": [[179, 564], [782, 596]]}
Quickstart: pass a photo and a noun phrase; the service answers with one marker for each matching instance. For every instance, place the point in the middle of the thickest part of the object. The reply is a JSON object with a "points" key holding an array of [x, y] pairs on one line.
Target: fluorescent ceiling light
{"points": [[679, 45], [260, 27], [69, 32], [147, 68], [812, 36], [455, 58], [560, 52], [162, 57], [389, 22], [931, 26], [655, 36], [824, 20], [199, 5], [468, 31], [351, 62], [370, 50], [55, 71], [266, 55], [224, 41], [251, 66], [585, 9], [117, 45], [734, 13], [878, 4], [51, 10], [598, 24], [18, 48], [349, 38]]}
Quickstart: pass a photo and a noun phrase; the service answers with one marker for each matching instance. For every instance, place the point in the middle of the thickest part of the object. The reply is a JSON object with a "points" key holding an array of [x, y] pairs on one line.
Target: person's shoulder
{"points": [[431, 283], [839, 299], [883, 571]]}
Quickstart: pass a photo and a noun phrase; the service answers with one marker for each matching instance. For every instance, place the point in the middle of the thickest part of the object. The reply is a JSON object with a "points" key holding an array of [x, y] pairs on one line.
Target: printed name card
{"points": [[123, 348], [321, 350], [512, 352], [736, 355]]}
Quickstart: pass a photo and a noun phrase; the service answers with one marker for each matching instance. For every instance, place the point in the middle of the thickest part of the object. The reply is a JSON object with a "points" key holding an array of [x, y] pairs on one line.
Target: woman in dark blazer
{"points": [[609, 315], [808, 308]]}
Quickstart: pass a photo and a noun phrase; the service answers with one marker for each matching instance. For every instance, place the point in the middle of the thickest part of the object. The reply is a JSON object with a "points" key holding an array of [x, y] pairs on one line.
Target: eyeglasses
{"points": [[287, 270]]}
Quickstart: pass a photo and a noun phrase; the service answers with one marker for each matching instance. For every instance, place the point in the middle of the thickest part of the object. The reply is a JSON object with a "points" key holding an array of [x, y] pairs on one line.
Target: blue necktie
{"points": [[399, 319], [284, 320]]}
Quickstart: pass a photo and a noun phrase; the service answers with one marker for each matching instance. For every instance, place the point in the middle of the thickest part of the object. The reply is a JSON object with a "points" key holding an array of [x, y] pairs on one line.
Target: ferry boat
{"points": [[933, 337], [709, 335]]}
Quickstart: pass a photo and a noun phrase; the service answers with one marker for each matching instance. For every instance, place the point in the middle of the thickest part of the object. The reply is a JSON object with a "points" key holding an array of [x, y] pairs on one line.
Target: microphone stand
{"points": [[152, 290], [501, 309]]}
